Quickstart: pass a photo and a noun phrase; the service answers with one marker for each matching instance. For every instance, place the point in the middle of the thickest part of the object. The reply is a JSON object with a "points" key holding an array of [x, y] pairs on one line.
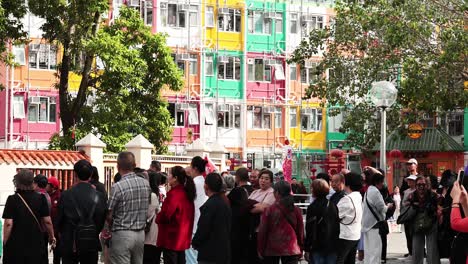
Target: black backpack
{"points": [[323, 236], [86, 233]]}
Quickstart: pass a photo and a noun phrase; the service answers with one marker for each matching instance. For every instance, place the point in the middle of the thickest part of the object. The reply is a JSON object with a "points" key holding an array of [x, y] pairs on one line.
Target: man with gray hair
{"points": [[128, 205]]}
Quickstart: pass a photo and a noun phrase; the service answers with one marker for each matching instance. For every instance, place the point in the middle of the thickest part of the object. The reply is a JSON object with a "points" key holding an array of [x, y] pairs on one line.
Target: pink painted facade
{"points": [[186, 118], [273, 84]]}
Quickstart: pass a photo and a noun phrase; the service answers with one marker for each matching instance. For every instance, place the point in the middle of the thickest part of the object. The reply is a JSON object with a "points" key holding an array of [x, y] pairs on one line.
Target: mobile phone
{"points": [[461, 175]]}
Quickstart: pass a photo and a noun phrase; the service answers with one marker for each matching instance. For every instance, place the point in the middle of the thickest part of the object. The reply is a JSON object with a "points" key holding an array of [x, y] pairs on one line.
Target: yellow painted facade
{"points": [[232, 41], [311, 140]]}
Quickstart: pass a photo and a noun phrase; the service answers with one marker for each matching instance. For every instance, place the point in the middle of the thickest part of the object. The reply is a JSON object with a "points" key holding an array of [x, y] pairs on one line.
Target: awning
{"points": [[431, 140]]}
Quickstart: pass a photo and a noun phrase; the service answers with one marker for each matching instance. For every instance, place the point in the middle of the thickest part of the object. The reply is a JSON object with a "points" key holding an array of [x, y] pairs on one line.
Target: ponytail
{"points": [[189, 188]]}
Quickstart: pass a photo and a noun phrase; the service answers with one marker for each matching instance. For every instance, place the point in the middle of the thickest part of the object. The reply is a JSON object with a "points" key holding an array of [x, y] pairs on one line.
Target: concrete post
{"points": [[93, 148], [218, 151], [198, 148], [141, 148]]}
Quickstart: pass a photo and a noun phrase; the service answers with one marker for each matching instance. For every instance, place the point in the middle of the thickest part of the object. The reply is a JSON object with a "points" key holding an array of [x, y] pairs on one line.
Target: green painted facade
{"points": [[263, 38], [222, 87]]}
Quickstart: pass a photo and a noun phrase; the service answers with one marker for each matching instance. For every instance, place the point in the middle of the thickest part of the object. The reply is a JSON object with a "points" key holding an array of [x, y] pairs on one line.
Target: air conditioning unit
{"points": [[223, 59], [223, 11], [268, 109], [134, 3], [34, 100], [307, 111], [223, 108], [307, 18], [278, 110], [183, 57], [182, 106], [183, 7], [251, 61], [34, 47], [271, 15], [270, 62], [53, 100], [310, 64]]}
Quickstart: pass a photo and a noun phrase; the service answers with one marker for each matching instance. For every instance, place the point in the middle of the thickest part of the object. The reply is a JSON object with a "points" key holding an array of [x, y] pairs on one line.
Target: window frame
{"points": [[294, 22], [176, 114], [293, 112], [267, 23], [314, 120], [209, 114], [51, 116], [279, 19], [263, 124], [209, 60], [236, 69], [209, 11], [252, 71], [147, 10], [293, 68], [180, 15], [308, 26], [193, 64], [49, 50], [231, 119], [236, 17], [278, 117], [308, 70], [18, 104]]}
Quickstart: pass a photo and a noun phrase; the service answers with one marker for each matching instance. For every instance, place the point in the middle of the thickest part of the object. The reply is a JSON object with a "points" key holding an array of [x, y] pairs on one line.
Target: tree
{"points": [[136, 66], [71, 24], [11, 27], [420, 45]]}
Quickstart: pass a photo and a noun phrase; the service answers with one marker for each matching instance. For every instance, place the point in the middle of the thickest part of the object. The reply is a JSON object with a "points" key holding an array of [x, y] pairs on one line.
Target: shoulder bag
{"points": [[32, 213], [381, 224], [354, 218], [407, 215]]}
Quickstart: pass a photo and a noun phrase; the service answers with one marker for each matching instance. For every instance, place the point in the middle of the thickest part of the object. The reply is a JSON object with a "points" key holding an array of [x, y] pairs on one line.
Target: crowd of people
{"points": [[186, 216]]}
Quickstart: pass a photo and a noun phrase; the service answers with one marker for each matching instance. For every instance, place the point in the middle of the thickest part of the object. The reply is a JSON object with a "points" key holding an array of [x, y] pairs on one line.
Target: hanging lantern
{"points": [[395, 153], [337, 153]]}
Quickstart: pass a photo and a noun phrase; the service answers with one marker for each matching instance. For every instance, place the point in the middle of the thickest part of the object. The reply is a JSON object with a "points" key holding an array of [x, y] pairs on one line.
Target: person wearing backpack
{"points": [[322, 226], [80, 219]]}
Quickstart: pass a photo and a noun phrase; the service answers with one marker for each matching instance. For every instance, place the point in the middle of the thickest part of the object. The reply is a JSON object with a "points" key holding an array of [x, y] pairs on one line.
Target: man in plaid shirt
{"points": [[128, 205]]}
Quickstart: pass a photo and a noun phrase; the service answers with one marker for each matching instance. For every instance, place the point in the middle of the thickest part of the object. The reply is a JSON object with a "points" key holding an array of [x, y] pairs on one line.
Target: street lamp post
{"points": [[383, 94]]}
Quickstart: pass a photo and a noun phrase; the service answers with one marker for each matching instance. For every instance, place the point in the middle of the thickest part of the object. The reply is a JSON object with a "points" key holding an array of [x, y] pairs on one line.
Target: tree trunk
{"points": [[65, 115]]}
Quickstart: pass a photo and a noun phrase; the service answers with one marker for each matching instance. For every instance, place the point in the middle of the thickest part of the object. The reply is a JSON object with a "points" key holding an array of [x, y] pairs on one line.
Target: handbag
{"points": [[382, 225], [422, 222], [407, 215], [35, 218]]}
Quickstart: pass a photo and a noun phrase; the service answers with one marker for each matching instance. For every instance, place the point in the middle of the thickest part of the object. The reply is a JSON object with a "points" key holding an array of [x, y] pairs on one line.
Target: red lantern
{"points": [[395, 153], [337, 153], [313, 170]]}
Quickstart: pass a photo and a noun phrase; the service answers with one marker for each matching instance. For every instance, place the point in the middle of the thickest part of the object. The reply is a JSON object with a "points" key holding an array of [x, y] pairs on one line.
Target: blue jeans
{"points": [[324, 259]]}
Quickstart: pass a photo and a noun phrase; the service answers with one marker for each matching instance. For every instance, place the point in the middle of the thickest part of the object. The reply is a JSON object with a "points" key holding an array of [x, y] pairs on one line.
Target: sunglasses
{"points": [[421, 185]]}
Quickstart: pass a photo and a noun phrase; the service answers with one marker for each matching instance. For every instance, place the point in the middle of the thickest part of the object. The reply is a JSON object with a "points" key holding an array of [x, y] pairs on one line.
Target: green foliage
{"points": [[127, 100], [421, 45]]}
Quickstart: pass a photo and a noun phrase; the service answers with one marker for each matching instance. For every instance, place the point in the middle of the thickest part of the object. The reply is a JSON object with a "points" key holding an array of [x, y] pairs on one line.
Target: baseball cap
{"points": [[54, 182], [414, 161], [411, 177]]}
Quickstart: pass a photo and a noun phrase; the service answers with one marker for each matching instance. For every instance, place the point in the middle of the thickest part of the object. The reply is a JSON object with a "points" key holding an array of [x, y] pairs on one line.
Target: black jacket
{"points": [[67, 218], [100, 187], [212, 239], [319, 209]]}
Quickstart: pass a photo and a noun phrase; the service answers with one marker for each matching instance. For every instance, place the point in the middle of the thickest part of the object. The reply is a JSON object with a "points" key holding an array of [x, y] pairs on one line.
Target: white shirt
{"points": [[349, 208], [153, 210], [374, 199], [199, 200]]}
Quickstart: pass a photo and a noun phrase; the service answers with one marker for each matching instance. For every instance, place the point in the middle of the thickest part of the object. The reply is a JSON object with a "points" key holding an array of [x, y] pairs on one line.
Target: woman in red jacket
{"points": [[175, 221], [460, 200]]}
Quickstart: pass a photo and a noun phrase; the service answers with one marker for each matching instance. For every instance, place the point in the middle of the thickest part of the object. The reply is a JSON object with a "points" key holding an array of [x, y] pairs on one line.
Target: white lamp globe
{"points": [[383, 94]]}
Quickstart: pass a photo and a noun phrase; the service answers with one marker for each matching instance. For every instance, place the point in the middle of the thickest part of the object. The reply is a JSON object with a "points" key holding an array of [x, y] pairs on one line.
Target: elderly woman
{"points": [[23, 229], [281, 230], [323, 226]]}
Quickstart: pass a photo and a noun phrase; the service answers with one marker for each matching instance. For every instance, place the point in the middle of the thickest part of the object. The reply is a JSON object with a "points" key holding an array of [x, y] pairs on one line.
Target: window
{"points": [[180, 63], [20, 54], [279, 23], [229, 20], [193, 15], [455, 123], [147, 14], [193, 64], [177, 114], [259, 23], [229, 70], [18, 107], [311, 22], [258, 71], [209, 114], [193, 115], [257, 118], [209, 71], [293, 72], [294, 24], [335, 122], [229, 116], [278, 117], [42, 109], [293, 117], [42, 56], [174, 15], [209, 16], [309, 74], [311, 119]]}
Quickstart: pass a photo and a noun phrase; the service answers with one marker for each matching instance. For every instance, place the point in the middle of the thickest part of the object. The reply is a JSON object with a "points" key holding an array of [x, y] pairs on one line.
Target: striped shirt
{"points": [[129, 203]]}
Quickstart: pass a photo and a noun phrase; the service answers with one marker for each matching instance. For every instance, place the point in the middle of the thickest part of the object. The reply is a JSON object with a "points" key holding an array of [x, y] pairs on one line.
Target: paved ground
{"points": [[396, 249]]}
